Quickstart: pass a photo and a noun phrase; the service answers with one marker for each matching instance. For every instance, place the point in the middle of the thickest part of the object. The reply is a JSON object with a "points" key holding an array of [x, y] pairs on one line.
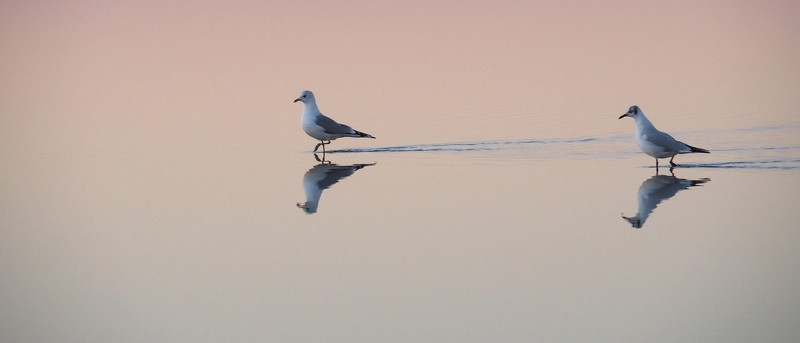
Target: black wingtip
{"points": [[696, 149], [365, 135]]}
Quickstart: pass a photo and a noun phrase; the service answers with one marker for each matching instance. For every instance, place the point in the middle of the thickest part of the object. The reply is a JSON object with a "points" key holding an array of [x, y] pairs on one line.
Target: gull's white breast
{"points": [[308, 122], [651, 149]]}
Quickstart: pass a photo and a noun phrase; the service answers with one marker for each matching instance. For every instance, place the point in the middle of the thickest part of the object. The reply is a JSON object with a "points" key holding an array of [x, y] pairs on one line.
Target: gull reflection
{"points": [[322, 176], [655, 190]]}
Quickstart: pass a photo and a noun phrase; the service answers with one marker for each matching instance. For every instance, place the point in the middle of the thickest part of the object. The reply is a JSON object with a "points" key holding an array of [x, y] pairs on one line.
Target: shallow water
{"points": [[481, 240], [156, 184]]}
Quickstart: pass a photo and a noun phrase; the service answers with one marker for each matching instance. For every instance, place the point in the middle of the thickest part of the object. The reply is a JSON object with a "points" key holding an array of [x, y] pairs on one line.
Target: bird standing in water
{"points": [[655, 143], [320, 127]]}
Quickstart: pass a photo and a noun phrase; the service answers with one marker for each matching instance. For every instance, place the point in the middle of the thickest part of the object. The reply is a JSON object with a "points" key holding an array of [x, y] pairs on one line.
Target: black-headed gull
{"points": [[655, 143]]}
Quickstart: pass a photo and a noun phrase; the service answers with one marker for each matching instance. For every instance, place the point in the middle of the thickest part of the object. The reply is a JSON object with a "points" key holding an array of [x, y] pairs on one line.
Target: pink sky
{"points": [[515, 69]]}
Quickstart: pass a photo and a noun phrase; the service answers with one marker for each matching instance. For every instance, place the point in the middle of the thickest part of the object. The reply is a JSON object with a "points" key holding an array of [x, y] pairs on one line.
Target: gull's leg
{"points": [[317, 147], [673, 164], [323, 146], [656, 165]]}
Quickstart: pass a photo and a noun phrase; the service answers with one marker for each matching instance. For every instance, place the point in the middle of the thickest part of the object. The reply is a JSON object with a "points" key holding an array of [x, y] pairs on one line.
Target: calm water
{"points": [[156, 184]]}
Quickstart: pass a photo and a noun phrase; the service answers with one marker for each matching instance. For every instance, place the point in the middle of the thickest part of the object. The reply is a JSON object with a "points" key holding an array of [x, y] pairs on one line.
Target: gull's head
{"points": [[633, 112], [305, 97]]}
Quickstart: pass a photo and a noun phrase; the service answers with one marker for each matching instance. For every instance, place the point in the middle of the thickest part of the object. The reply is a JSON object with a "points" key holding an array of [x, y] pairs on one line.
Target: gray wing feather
{"points": [[332, 127], [663, 139]]}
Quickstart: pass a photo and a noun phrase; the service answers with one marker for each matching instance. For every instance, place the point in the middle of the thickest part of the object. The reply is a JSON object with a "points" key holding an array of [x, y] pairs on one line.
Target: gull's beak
{"points": [[623, 116], [296, 100]]}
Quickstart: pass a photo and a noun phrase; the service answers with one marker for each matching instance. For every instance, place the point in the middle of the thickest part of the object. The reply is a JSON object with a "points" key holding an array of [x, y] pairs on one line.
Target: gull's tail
{"points": [[366, 135], [696, 149]]}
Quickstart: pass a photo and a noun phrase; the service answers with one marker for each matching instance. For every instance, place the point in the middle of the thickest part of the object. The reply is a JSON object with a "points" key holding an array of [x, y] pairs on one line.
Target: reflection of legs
{"points": [[670, 169], [323, 161]]}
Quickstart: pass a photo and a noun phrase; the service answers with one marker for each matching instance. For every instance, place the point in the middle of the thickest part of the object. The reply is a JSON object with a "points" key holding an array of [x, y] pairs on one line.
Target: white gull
{"points": [[655, 143], [320, 127]]}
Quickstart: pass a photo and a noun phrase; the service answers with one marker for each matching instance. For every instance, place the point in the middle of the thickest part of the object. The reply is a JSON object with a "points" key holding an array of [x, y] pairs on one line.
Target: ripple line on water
{"points": [[465, 146], [775, 164]]}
